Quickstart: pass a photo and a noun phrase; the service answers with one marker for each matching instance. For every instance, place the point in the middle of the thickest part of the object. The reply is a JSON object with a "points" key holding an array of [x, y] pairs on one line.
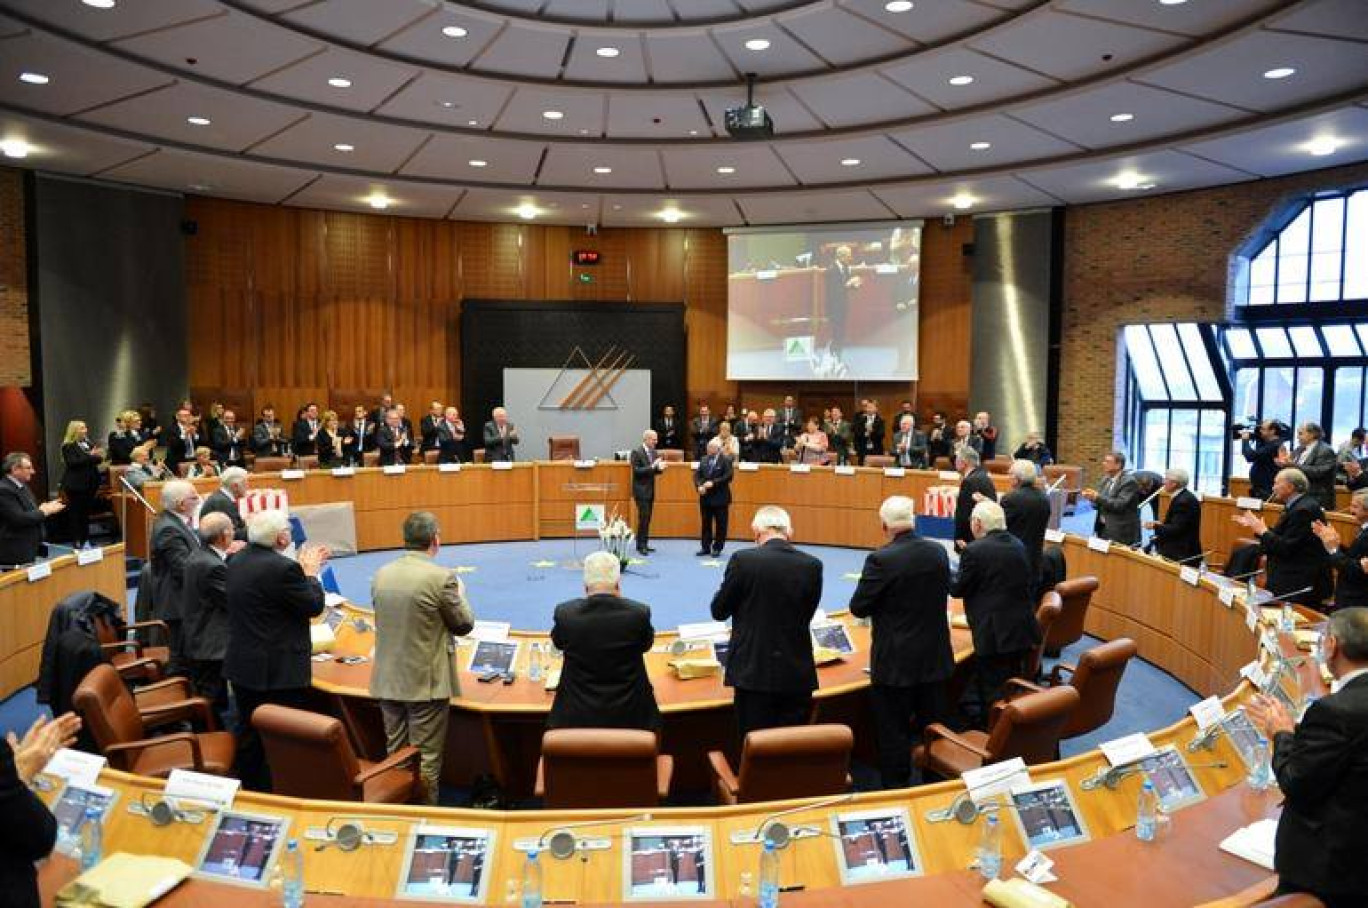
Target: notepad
{"points": [[125, 880], [1254, 843]]}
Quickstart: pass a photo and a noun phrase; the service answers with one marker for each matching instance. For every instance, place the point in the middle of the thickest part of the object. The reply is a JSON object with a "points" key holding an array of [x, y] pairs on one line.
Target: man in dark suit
{"points": [[909, 444], [790, 420], [839, 280], [994, 582], [377, 416], [646, 465], [605, 638], [28, 832], [1179, 536], [938, 439], [770, 593], [1117, 500], [713, 479], [1027, 511], [1321, 764], [669, 431], [974, 481], [358, 436], [903, 588], [395, 444], [767, 440], [839, 438], [204, 609], [229, 441], [173, 542], [1317, 461], [1296, 560], [268, 435], [21, 516], [702, 429], [271, 600], [500, 436], [304, 434], [450, 436], [428, 426], [1261, 447], [868, 429], [182, 440], [226, 500], [1351, 587]]}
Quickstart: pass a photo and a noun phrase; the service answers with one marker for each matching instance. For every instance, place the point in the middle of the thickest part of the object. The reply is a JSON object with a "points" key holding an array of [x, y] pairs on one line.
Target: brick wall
{"points": [[1154, 259], [15, 362]]}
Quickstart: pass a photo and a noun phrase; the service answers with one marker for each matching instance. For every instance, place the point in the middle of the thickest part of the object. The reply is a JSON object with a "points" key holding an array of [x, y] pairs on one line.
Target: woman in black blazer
{"points": [[329, 442], [81, 480], [28, 830]]}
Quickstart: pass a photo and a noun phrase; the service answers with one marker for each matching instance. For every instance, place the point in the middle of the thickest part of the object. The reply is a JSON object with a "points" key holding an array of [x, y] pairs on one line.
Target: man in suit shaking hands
{"points": [[713, 481], [605, 638], [646, 466], [1321, 764], [770, 593]]}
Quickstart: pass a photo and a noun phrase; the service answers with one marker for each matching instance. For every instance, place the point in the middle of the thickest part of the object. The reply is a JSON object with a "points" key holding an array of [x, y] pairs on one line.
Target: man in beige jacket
{"points": [[418, 606]]}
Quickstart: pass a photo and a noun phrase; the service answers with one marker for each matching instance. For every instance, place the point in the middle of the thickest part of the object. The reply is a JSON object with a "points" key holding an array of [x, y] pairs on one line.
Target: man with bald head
{"points": [[204, 609], [840, 279]]}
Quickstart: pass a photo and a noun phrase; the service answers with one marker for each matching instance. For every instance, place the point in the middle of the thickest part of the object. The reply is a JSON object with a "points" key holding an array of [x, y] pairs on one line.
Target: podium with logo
{"points": [[590, 515]]}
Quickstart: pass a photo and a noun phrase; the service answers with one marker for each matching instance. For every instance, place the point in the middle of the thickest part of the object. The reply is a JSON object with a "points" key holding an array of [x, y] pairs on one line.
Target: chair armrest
{"points": [[123, 646], [539, 789], [937, 730], [1018, 687], [1056, 678], [152, 624], [126, 753], [402, 756], [723, 771], [196, 710], [167, 691], [139, 668]]}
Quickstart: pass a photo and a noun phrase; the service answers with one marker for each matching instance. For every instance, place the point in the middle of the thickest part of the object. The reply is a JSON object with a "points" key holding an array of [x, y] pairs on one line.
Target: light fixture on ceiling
{"points": [[725, 169], [99, 4], [553, 115], [379, 201], [200, 187], [1131, 182], [1323, 146], [980, 146], [449, 105], [476, 162], [898, 6], [527, 211], [340, 82], [198, 121], [1172, 2], [850, 162], [608, 53], [472, 122], [454, 31], [962, 202], [34, 78], [672, 215], [693, 132], [343, 146], [758, 44], [1279, 72], [603, 170], [15, 148], [1122, 117], [961, 80]]}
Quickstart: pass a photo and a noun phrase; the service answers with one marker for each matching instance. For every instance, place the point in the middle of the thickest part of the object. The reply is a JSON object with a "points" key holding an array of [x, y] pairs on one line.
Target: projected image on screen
{"points": [[824, 302]]}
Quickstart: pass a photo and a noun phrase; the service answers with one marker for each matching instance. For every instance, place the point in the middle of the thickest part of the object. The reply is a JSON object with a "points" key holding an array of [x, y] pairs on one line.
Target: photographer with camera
{"points": [[1260, 446]]}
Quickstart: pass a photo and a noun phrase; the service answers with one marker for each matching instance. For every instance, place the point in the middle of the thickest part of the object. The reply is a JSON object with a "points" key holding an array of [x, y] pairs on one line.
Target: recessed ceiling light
{"points": [[200, 187], [15, 148], [693, 132], [850, 162], [617, 207], [603, 170], [898, 6], [981, 146], [1122, 117], [99, 4], [584, 132], [1133, 181], [726, 170], [961, 80], [553, 115], [1280, 72], [449, 105], [962, 201], [454, 31], [1323, 146], [34, 78], [527, 211], [340, 82], [584, 204], [758, 44], [476, 162], [343, 146], [608, 52], [378, 201], [671, 215], [198, 121], [472, 122], [1172, 2]]}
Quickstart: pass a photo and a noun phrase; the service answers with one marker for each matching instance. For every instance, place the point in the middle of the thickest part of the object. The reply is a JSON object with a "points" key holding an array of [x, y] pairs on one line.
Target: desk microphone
{"points": [[1055, 485], [1205, 740], [1246, 576], [1111, 777], [1154, 495], [165, 811], [1197, 557], [774, 832], [562, 843], [350, 834], [681, 646], [962, 810]]}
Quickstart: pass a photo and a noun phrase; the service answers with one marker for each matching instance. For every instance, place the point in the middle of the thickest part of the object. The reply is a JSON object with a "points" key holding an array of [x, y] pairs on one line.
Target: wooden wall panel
{"points": [[946, 290]]}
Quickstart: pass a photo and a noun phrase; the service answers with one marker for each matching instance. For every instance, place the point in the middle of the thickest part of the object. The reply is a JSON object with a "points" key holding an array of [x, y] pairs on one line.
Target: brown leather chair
{"points": [[671, 455], [997, 466], [306, 462], [270, 464], [563, 447], [311, 756], [1047, 613], [478, 456], [119, 723], [431, 457], [1028, 727], [1292, 900], [879, 460], [781, 763], [183, 468], [1096, 678], [943, 464], [134, 660], [370, 458], [588, 768], [1074, 595], [1073, 481]]}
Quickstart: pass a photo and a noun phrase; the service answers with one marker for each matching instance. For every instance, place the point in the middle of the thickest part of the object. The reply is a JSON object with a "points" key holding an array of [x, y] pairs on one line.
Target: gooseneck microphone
{"points": [[563, 844]]}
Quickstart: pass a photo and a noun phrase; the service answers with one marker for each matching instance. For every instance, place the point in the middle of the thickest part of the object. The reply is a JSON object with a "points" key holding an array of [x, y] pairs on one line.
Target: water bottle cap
{"points": [[769, 846], [532, 854], [992, 820], [1149, 785], [92, 811], [292, 845]]}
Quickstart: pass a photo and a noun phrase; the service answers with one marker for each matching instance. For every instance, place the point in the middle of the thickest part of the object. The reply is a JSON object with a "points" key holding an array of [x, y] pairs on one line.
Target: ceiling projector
{"points": [[749, 121]]}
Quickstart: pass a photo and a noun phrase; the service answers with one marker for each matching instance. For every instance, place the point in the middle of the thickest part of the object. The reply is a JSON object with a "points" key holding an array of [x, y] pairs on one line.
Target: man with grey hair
{"points": [[903, 588], [271, 601], [975, 485], [418, 606], [1351, 587], [204, 610], [22, 518], [1178, 537], [713, 480], [770, 593], [1028, 514], [605, 638], [1117, 500], [647, 464], [909, 444], [995, 583], [500, 436], [173, 541], [227, 500], [1297, 565], [1317, 461], [1321, 764]]}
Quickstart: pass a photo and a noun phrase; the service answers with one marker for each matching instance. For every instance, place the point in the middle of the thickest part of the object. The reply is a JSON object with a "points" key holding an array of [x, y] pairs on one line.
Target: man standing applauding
{"points": [[713, 481], [646, 465]]}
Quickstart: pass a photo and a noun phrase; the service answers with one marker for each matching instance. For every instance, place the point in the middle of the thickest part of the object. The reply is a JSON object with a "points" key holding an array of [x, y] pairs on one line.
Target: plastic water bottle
{"points": [[769, 877], [990, 849], [1260, 776], [534, 663], [1288, 622], [1147, 813], [292, 876], [532, 881], [90, 841]]}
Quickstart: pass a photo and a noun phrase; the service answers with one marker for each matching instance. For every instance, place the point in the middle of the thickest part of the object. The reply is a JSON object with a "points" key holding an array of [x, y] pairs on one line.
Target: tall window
{"points": [[1318, 257]]}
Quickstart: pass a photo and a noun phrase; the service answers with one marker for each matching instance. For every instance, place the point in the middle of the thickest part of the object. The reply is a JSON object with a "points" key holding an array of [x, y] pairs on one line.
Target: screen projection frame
{"points": [[796, 322]]}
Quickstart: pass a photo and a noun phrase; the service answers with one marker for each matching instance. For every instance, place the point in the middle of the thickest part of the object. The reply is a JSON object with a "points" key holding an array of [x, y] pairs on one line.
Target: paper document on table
{"points": [[1254, 843], [985, 783]]}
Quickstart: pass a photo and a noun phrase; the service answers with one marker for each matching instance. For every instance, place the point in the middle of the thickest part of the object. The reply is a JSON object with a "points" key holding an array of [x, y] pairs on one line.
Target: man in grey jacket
{"points": [[1315, 458], [1117, 501]]}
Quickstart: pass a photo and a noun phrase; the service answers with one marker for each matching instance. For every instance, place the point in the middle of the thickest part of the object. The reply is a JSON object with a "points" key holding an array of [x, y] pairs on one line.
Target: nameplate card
{"points": [[343, 472], [394, 469], [1036, 868], [1190, 575], [1127, 750], [501, 465], [766, 275], [693, 465], [845, 470], [448, 468], [1207, 713], [995, 779], [746, 466], [702, 630], [819, 617], [291, 474], [1249, 504], [800, 468], [585, 464], [75, 766], [894, 472], [334, 600], [947, 476], [40, 571], [1056, 536], [198, 786], [1255, 674], [1227, 596], [1268, 640], [91, 555], [492, 631], [1098, 544], [1252, 615]]}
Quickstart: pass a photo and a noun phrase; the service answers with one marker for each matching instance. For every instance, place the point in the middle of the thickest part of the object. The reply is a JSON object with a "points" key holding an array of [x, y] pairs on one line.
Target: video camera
{"points": [[1251, 425]]}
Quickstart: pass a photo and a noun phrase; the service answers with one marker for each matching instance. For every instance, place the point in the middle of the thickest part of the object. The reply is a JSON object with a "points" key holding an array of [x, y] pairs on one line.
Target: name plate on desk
{"points": [[947, 476], [1190, 575], [1098, 544], [198, 786], [448, 468], [845, 470], [1227, 596], [746, 466], [39, 571], [75, 766], [1123, 751], [1249, 504], [1252, 615], [897, 472], [997, 778], [291, 474], [1255, 673], [800, 468], [341, 472], [91, 555], [501, 465], [1207, 713], [585, 464], [1054, 536], [394, 469], [494, 631]]}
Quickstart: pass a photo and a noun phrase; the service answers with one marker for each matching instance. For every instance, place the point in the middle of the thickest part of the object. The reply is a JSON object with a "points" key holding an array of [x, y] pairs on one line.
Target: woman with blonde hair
{"points": [[126, 436], [329, 441], [203, 466], [81, 478], [144, 468]]}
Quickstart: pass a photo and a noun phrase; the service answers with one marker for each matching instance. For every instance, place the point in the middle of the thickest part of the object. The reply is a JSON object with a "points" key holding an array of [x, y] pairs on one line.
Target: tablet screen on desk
{"points": [[874, 845], [1046, 815], [834, 637], [721, 650], [241, 848], [447, 863], [1243, 735], [493, 656], [1172, 779], [333, 618], [70, 811], [668, 862]]}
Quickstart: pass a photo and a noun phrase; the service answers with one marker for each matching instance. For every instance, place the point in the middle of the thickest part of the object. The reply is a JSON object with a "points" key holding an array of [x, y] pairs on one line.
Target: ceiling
{"points": [[448, 110]]}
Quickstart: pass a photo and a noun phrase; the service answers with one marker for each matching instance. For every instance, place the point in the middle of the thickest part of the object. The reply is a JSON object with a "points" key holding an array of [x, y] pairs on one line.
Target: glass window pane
{"points": [[1241, 344], [1153, 451], [1292, 278], [1274, 342], [1310, 395], [1171, 359], [1295, 238], [1244, 407], [1325, 276], [1144, 365], [1356, 236], [1348, 402], [1277, 395], [1340, 340], [1262, 274], [1305, 341], [1211, 441], [1182, 442], [1362, 330], [1328, 226], [1200, 360]]}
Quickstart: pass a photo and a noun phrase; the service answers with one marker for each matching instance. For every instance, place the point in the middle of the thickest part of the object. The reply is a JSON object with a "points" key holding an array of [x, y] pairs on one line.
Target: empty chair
{"points": [[1029, 727], [671, 455], [879, 460], [133, 659], [431, 457], [270, 464], [1074, 595], [1096, 678], [586, 768], [780, 763], [1047, 613], [119, 721], [370, 458], [997, 466], [563, 447], [311, 756]]}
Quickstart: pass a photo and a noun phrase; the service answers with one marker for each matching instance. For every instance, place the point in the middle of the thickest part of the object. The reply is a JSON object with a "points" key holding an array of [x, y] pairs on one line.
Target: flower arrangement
{"points": [[616, 537]]}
